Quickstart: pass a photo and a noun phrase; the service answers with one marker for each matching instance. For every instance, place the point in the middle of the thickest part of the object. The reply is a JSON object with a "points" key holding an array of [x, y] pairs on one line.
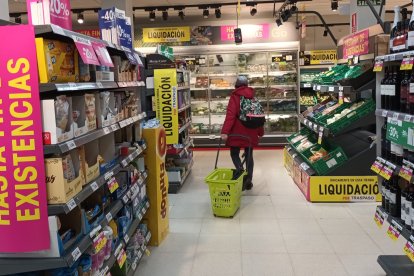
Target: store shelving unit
{"points": [[272, 76], [72, 252], [393, 226], [307, 88], [353, 137], [181, 151]]}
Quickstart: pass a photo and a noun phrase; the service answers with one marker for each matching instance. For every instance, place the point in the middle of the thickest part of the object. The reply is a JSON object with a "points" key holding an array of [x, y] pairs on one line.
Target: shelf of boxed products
{"points": [[344, 118], [140, 254], [89, 189], [395, 57], [174, 187], [181, 149], [64, 147], [396, 265], [395, 115], [124, 242], [20, 265], [54, 30], [83, 86]]}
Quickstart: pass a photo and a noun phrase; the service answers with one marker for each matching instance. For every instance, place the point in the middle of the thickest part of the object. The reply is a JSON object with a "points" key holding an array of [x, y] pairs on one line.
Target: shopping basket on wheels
{"points": [[225, 192]]}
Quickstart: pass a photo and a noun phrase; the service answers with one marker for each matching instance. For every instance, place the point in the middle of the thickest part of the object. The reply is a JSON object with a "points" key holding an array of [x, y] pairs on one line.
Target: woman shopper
{"points": [[233, 125]]}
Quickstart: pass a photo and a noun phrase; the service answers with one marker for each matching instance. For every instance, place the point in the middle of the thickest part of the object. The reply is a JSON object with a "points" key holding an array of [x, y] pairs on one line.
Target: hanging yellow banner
{"points": [[166, 102], [344, 189], [166, 34]]}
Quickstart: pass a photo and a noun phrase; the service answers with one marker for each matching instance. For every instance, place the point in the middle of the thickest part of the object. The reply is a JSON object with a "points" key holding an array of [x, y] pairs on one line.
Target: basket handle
{"points": [[232, 135]]}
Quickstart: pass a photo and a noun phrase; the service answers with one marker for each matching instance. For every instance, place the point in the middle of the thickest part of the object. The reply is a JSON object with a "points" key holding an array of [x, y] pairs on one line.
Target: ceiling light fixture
{"points": [[165, 15], [80, 18], [152, 16], [325, 32], [206, 13], [279, 22], [181, 14], [218, 13], [253, 11], [285, 15], [293, 9], [334, 5]]}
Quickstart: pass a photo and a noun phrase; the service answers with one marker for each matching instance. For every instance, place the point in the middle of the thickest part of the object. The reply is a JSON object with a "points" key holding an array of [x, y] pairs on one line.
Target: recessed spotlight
{"points": [[165, 15], [80, 18], [217, 12], [206, 13], [152, 16], [253, 11], [181, 14]]}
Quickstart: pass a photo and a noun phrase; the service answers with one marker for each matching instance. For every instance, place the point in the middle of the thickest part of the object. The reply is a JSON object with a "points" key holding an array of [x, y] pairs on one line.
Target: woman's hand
{"points": [[224, 137]]}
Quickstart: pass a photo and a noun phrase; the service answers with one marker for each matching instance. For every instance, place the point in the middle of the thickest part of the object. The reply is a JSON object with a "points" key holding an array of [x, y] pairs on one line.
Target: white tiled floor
{"points": [[276, 232]]}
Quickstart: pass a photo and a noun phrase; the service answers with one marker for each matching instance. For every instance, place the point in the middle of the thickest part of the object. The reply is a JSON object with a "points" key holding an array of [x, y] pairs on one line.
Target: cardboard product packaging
{"points": [[57, 61], [157, 184], [382, 44], [57, 120], [101, 74], [108, 154], [79, 122], [64, 177], [105, 109], [84, 71], [119, 99], [90, 164], [90, 108]]}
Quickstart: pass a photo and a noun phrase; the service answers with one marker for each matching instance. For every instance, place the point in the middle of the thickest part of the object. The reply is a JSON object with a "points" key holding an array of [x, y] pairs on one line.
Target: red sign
{"points": [[92, 33], [23, 206], [86, 50], [356, 44]]}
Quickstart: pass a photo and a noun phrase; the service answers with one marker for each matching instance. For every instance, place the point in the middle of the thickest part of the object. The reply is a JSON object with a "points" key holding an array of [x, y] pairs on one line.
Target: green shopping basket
{"points": [[225, 192]]}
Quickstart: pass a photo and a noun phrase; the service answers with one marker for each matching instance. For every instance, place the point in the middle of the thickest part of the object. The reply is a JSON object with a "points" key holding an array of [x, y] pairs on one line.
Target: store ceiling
{"points": [[322, 6]]}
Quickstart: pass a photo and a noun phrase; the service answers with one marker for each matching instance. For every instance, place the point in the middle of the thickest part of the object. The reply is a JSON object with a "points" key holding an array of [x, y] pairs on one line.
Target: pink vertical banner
{"points": [[61, 13], [86, 50], [23, 204]]}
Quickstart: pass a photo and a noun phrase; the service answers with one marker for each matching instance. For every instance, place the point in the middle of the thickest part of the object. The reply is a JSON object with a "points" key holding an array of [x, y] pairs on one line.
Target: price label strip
{"points": [[379, 64], [320, 136], [406, 172], [409, 250], [379, 218], [341, 95], [113, 185], [407, 64], [121, 258], [377, 166], [387, 172], [394, 231]]}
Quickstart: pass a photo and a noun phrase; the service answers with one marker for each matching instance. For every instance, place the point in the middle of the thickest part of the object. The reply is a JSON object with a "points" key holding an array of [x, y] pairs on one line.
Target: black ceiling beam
{"points": [[212, 6], [328, 24]]}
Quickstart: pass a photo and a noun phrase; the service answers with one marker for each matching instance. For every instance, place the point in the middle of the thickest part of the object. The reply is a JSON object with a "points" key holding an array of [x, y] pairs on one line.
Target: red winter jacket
{"points": [[232, 124]]}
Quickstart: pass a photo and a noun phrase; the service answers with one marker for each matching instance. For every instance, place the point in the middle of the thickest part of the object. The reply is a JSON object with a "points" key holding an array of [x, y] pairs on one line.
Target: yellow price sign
{"points": [[393, 233], [407, 64], [379, 220], [113, 185], [386, 173], [121, 258], [406, 173], [379, 64], [99, 242], [376, 167], [409, 250]]}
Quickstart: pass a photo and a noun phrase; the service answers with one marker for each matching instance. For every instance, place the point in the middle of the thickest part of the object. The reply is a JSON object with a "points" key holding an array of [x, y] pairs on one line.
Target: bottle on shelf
{"points": [[384, 89], [386, 185], [410, 40], [399, 154], [394, 197], [404, 91], [394, 28], [410, 99], [394, 89]]}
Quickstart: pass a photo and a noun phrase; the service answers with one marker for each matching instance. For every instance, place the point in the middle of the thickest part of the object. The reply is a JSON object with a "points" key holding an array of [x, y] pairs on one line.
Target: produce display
{"points": [[339, 72], [282, 106], [308, 77], [200, 111], [286, 79], [289, 124], [318, 153]]}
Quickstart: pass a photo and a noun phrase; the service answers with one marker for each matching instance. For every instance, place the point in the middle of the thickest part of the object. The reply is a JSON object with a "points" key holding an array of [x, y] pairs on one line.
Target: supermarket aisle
{"points": [[276, 232]]}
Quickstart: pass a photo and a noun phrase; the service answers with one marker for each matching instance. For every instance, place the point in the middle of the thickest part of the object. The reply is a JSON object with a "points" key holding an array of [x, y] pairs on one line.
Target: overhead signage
{"points": [[166, 34], [344, 189], [95, 33], [260, 31], [364, 3], [166, 102], [23, 206], [319, 57], [356, 44]]}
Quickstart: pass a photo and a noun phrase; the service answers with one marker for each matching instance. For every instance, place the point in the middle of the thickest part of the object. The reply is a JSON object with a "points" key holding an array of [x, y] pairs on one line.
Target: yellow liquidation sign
{"points": [[166, 102], [344, 188], [323, 57], [157, 185], [167, 34]]}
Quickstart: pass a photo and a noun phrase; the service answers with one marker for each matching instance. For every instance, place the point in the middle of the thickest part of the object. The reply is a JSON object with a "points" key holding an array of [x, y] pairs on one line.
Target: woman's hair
{"points": [[241, 81]]}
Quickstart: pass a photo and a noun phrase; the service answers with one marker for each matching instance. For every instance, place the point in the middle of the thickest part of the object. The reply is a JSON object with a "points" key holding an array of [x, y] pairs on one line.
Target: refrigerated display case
{"points": [[274, 76]]}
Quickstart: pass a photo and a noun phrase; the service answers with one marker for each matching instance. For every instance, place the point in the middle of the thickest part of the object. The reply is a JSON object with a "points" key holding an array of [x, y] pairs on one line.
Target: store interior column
{"points": [[4, 10], [126, 5]]}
